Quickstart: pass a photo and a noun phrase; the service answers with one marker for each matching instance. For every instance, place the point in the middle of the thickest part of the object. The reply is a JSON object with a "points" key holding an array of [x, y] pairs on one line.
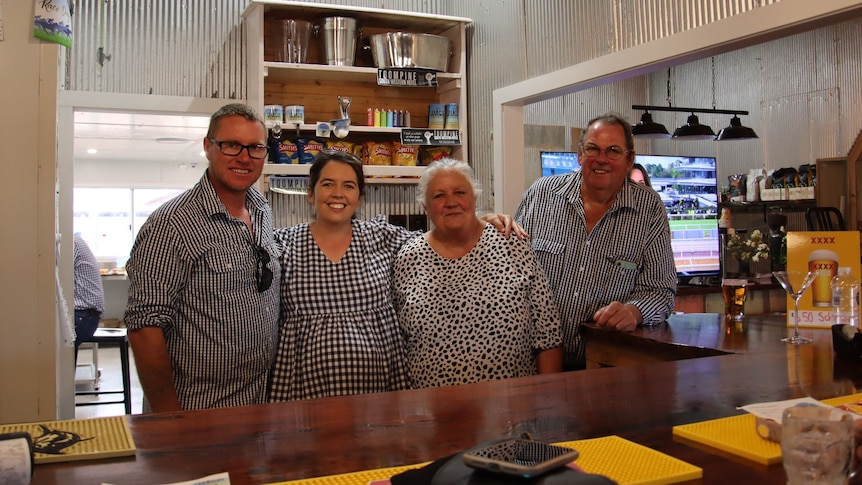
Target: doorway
{"points": [[151, 144]]}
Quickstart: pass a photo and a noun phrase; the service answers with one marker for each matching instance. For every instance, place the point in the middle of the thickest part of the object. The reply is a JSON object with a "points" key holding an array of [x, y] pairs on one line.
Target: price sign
{"points": [[407, 78], [823, 252], [430, 137]]}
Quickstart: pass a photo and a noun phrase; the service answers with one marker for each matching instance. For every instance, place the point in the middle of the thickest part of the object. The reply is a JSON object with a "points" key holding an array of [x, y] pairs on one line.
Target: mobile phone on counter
{"points": [[520, 457]]}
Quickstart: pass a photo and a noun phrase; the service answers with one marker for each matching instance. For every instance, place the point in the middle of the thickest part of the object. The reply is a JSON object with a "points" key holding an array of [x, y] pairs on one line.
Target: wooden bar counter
{"points": [[641, 403], [689, 336]]}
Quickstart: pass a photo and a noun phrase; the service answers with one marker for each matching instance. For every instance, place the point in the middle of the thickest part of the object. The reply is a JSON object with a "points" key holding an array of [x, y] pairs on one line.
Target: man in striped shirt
{"points": [[603, 240], [89, 295], [204, 280]]}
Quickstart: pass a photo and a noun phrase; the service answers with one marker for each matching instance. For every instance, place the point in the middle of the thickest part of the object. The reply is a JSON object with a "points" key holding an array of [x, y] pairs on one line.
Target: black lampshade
{"points": [[647, 128], [693, 130], [736, 131]]}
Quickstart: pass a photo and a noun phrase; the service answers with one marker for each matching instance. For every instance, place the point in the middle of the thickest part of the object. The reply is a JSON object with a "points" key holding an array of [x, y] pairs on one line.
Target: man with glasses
{"points": [[602, 239], [203, 299]]}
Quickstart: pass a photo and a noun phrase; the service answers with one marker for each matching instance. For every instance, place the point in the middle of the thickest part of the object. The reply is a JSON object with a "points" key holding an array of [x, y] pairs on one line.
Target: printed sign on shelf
{"points": [[823, 252], [424, 136], [400, 77]]}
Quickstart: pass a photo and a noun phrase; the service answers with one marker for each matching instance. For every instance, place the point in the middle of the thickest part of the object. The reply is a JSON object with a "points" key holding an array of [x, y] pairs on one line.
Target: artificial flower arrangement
{"points": [[749, 249]]}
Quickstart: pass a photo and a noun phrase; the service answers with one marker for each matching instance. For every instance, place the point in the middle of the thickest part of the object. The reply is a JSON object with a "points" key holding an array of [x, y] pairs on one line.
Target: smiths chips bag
{"points": [[428, 155], [376, 153], [341, 146], [308, 149], [404, 155]]}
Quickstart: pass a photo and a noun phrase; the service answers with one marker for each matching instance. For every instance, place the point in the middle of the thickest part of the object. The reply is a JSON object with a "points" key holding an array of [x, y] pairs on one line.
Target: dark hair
{"points": [[612, 119], [326, 156], [640, 167], [233, 109]]}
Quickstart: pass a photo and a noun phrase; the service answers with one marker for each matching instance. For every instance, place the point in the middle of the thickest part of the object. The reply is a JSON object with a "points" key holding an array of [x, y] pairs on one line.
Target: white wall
{"points": [[90, 173], [30, 364]]}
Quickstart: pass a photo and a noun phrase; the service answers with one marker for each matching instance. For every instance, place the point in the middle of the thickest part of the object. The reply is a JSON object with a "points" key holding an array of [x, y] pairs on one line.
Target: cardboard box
{"points": [[773, 194], [800, 193]]}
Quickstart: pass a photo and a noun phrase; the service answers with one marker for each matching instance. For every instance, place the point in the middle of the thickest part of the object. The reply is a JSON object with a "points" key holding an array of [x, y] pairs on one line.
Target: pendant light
{"points": [[649, 129], [736, 131], [693, 130]]}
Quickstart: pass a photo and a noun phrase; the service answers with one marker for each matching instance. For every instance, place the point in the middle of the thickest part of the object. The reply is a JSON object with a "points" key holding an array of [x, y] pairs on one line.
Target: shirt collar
{"points": [[571, 191]]}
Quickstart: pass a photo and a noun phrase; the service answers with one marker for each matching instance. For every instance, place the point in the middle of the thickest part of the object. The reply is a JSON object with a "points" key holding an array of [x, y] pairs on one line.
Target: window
{"points": [[109, 218]]}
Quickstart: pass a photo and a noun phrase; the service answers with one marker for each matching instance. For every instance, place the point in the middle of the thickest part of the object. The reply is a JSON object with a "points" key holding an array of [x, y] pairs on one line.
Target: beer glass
{"points": [[734, 292]]}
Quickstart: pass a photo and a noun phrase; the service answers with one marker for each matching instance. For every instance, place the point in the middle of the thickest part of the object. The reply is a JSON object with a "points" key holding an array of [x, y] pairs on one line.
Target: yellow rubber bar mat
{"points": [[737, 435], [621, 460], [77, 439]]}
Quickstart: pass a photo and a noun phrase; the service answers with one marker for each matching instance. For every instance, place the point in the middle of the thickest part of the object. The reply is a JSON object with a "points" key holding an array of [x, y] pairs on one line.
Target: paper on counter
{"points": [[774, 410], [217, 479]]}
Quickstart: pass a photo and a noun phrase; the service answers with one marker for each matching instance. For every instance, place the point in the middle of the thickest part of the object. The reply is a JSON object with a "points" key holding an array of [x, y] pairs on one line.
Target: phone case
{"points": [[520, 457]]}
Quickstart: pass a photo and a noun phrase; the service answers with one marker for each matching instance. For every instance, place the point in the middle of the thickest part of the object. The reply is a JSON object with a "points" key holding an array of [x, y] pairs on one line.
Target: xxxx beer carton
{"points": [[821, 252]]}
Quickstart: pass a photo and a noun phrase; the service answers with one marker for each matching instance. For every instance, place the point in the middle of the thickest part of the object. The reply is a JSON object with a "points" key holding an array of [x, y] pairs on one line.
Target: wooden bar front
{"points": [[641, 403]]}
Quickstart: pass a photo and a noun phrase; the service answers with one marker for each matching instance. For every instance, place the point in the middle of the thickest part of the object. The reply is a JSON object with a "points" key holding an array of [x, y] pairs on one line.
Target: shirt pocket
{"points": [[550, 247], [549, 255], [623, 272], [228, 270]]}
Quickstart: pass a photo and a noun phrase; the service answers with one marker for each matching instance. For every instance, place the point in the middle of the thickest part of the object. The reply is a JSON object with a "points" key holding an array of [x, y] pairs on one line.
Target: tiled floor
{"points": [[110, 378]]}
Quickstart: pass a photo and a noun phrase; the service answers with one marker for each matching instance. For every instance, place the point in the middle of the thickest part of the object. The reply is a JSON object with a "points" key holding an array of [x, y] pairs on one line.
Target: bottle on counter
{"points": [[845, 298]]}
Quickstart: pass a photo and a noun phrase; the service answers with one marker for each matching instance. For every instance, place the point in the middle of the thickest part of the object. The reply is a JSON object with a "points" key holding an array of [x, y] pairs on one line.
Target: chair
{"points": [[824, 219], [115, 336]]}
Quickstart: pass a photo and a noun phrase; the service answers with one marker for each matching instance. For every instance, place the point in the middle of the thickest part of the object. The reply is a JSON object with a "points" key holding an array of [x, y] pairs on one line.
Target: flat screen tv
{"points": [[688, 186], [556, 163]]}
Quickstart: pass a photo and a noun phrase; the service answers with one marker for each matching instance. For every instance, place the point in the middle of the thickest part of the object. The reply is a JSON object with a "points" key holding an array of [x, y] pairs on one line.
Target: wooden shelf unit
{"points": [[316, 85], [838, 184]]}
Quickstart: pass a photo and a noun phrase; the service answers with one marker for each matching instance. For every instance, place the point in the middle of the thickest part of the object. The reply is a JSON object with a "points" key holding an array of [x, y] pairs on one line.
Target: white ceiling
{"points": [[139, 137]]}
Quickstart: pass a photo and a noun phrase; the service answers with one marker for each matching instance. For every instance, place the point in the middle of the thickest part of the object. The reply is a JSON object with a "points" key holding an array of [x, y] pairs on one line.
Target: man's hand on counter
{"points": [[617, 316]]}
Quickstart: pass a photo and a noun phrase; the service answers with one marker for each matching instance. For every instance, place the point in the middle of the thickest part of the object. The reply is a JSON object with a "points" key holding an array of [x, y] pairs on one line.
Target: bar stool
{"points": [[113, 336]]}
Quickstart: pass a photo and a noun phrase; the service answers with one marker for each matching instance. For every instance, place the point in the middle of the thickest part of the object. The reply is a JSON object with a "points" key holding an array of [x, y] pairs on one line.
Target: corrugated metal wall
{"points": [[803, 94], [162, 47], [808, 83], [292, 208]]}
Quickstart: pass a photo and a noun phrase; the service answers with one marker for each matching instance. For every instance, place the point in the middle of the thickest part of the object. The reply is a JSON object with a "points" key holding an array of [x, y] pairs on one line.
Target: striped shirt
{"points": [[88, 280], [192, 272], [627, 257]]}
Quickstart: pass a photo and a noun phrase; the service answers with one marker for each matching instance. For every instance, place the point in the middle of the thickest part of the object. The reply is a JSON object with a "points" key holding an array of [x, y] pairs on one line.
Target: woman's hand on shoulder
{"points": [[505, 224]]}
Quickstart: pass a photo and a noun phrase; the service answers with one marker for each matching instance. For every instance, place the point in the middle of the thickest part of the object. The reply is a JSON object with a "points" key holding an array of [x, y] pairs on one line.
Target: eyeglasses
{"points": [[232, 148], [262, 273], [612, 153]]}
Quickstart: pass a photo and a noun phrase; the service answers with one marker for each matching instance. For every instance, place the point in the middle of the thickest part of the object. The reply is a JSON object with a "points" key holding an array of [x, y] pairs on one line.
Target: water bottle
{"points": [[845, 298]]}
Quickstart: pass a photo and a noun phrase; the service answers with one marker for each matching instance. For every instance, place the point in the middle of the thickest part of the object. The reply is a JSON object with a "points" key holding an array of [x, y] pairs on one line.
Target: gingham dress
{"points": [[339, 332]]}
